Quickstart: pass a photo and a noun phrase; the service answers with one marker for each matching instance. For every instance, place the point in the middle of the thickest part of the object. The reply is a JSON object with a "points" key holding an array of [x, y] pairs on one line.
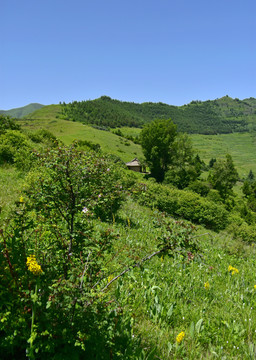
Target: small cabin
{"points": [[134, 165]]}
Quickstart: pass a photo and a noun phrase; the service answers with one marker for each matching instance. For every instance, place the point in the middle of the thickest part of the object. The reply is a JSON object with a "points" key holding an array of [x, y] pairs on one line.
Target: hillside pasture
{"points": [[241, 146], [68, 131]]}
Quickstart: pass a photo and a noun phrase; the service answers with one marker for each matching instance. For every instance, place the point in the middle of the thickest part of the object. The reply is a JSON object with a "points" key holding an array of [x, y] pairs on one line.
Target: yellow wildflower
{"points": [[33, 266], [110, 277], [180, 337], [233, 270], [21, 199], [207, 285], [255, 287]]}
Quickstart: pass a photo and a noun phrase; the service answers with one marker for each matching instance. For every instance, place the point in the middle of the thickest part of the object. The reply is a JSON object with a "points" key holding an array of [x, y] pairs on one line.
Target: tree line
{"points": [[208, 117]]}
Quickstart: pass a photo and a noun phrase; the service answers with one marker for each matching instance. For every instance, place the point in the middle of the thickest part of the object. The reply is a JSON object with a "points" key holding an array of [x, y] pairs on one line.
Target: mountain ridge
{"points": [[22, 111], [224, 115], [220, 116]]}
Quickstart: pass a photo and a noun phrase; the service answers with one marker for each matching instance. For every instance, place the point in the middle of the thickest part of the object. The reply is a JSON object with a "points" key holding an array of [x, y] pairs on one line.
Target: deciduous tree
{"points": [[157, 141]]}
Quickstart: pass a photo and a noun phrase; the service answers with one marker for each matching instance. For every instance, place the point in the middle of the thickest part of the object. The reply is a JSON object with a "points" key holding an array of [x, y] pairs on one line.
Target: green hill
{"points": [[225, 115], [50, 112], [22, 111], [68, 131]]}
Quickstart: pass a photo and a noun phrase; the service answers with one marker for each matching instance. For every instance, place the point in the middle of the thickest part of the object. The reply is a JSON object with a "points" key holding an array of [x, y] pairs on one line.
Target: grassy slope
{"points": [[167, 298], [241, 146], [68, 131], [11, 181]]}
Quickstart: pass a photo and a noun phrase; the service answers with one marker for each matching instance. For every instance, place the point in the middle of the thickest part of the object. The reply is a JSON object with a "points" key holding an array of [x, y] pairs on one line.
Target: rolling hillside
{"points": [[21, 111], [240, 145], [224, 115]]}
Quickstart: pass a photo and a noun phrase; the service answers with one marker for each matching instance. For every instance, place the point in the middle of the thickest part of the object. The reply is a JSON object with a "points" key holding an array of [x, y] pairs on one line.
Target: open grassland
{"points": [[47, 112], [241, 146], [68, 131]]}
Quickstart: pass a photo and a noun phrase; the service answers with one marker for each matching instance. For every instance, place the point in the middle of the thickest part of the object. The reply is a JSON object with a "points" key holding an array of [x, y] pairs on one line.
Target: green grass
{"points": [[47, 112], [167, 297], [11, 182], [68, 131], [241, 146]]}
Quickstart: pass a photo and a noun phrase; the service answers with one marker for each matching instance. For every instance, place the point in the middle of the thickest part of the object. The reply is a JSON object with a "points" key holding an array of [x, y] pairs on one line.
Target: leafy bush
{"points": [[6, 123], [43, 136], [61, 290], [200, 187], [244, 231], [14, 147], [184, 204]]}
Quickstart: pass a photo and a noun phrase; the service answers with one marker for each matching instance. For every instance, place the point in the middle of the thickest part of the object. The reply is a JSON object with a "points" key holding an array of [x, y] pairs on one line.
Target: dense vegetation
{"points": [[223, 115], [97, 262]]}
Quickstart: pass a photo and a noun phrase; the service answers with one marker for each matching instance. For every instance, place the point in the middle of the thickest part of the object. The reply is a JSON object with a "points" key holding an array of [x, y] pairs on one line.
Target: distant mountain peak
{"points": [[22, 111]]}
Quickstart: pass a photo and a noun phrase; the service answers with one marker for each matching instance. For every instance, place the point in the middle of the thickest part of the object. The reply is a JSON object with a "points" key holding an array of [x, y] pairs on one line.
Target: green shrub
{"points": [[200, 187], [6, 123], [14, 147], [57, 306], [244, 232], [185, 204], [57, 263]]}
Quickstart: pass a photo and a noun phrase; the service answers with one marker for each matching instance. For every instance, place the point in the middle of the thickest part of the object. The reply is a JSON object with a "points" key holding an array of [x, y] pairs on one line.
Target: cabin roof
{"points": [[134, 162]]}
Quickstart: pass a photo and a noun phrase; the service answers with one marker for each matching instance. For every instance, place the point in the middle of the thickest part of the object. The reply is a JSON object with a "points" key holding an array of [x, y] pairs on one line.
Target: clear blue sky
{"points": [[173, 51]]}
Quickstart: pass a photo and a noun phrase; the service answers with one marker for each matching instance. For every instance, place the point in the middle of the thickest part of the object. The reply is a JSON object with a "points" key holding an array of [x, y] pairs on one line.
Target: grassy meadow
{"points": [[68, 131], [183, 308], [241, 146], [214, 307]]}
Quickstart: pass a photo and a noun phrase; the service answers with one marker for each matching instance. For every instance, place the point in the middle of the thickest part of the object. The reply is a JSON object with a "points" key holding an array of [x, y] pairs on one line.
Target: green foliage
{"points": [[200, 187], [244, 231], [6, 123], [184, 204], [85, 144], [43, 136], [184, 168], [18, 148], [101, 112], [70, 314], [157, 141], [70, 179], [62, 307], [14, 148], [249, 190], [223, 176], [209, 117]]}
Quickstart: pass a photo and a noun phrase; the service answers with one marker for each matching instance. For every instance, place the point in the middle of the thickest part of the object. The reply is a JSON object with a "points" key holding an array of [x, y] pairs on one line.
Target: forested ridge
{"points": [[224, 115]]}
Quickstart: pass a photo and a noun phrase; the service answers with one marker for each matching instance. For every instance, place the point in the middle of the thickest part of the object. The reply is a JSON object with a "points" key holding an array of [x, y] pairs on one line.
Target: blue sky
{"points": [[173, 51]]}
